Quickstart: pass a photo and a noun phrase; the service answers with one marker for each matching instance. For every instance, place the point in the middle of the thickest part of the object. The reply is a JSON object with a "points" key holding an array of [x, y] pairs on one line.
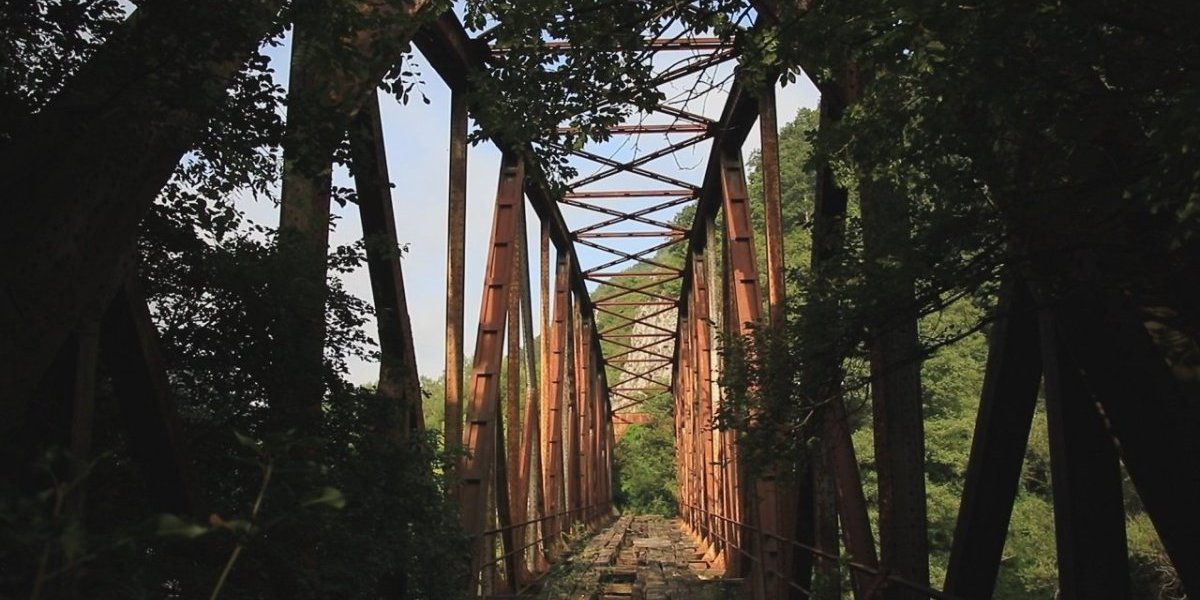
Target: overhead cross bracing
{"points": [[622, 212]]}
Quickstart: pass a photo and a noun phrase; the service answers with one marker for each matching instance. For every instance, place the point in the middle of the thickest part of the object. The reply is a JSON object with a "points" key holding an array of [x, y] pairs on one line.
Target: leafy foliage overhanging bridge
{"points": [[547, 465]]}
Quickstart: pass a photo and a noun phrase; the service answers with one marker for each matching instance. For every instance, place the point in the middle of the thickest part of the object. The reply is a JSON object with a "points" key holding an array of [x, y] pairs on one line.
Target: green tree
{"points": [[644, 463]]}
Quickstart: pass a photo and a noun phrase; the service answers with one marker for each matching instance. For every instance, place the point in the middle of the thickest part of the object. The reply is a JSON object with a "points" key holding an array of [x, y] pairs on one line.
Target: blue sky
{"points": [[417, 141]]}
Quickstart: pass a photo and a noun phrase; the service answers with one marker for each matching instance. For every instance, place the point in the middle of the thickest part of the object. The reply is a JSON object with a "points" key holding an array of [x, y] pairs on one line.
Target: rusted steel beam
{"points": [[634, 401], [633, 166], [1150, 410], [736, 493], [616, 358], [632, 234], [1010, 389], [634, 375], [455, 272], [399, 383], [622, 216], [698, 423], [600, 417], [747, 296], [629, 324], [504, 518], [533, 446], [602, 308], [655, 44], [665, 128], [646, 303], [648, 349], [480, 434], [86, 348], [641, 320], [629, 194], [1085, 473], [768, 124], [663, 336], [455, 56], [80, 174], [625, 257], [823, 382], [584, 391], [822, 378], [627, 214], [640, 387], [132, 357], [681, 383], [674, 273], [512, 402], [720, 462], [553, 460], [641, 289], [895, 360], [571, 414], [747, 293], [529, 461], [317, 122], [701, 304], [689, 67], [679, 113]]}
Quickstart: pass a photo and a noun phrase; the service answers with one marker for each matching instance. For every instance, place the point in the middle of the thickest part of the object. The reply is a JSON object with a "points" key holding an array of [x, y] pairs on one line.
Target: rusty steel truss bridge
{"points": [[534, 468]]}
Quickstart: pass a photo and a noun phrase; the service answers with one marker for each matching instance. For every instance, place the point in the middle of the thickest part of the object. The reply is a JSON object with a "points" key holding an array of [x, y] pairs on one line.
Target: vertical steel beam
{"points": [[696, 422], [583, 385], [1151, 409], [80, 174], [317, 121], [739, 230], [836, 490], [683, 408], [572, 414], [768, 125], [512, 392], [455, 277], [701, 305], [895, 357], [1006, 406], [132, 356], [83, 410], [399, 382], [530, 460], [747, 294], [599, 419], [503, 496], [1085, 472], [553, 460], [512, 401], [736, 563], [686, 401], [480, 436]]}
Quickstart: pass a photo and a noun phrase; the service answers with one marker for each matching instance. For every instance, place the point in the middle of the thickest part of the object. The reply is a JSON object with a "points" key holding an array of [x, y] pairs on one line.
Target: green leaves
{"points": [[326, 496], [168, 525]]}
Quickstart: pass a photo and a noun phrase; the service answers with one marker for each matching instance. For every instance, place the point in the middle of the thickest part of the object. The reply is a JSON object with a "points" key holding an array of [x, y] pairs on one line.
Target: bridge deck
{"points": [[638, 558]]}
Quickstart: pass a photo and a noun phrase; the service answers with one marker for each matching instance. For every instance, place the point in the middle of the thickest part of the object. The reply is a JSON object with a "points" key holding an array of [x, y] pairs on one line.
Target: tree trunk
{"points": [[82, 172]]}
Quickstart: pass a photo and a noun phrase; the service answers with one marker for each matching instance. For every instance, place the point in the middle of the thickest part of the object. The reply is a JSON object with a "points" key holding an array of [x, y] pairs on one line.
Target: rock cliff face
{"points": [[635, 362]]}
